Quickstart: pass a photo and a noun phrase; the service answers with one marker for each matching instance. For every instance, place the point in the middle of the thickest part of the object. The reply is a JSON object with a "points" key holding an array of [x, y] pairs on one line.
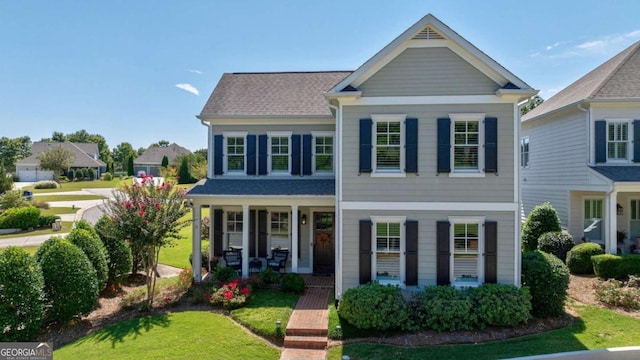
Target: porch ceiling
{"points": [[264, 187]]}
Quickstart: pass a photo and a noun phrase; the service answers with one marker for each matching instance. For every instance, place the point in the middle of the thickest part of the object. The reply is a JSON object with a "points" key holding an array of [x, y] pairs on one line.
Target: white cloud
{"points": [[195, 71], [188, 88], [633, 34], [549, 47], [592, 45], [604, 44]]}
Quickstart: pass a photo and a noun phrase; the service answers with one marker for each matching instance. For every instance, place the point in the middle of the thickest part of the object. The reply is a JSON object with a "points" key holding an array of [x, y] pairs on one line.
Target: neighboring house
{"points": [[150, 161], [86, 156], [581, 152], [404, 171]]}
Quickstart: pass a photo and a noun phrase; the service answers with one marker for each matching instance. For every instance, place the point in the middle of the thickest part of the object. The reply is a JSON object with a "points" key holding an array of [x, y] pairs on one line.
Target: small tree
{"points": [[165, 161], [92, 246], [149, 217], [183, 172], [57, 159], [130, 171], [91, 173], [548, 280], [119, 251], [71, 175], [6, 181], [543, 218]]}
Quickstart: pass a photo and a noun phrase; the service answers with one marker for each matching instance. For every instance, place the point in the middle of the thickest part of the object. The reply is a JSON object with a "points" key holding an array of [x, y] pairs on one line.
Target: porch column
{"points": [[196, 248], [211, 249], [611, 237], [245, 241], [294, 238]]}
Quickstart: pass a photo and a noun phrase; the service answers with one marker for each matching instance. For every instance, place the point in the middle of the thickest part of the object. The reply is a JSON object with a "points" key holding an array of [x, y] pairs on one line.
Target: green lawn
{"points": [[49, 198], [58, 211], [66, 227], [79, 185], [596, 328], [178, 255], [30, 249], [182, 335], [263, 309]]}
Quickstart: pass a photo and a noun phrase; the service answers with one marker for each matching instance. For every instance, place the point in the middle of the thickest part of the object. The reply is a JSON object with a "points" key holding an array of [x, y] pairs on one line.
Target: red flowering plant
{"points": [[231, 295], [148, 215]]}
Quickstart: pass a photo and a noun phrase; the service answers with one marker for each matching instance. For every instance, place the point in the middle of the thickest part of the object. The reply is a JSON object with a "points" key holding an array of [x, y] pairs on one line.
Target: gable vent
{"points": [[428, 34]]}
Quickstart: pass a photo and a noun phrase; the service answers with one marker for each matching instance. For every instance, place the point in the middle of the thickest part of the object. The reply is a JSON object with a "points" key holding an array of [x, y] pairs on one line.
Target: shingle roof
{"points": [[154, 154], [272, 94], [84, 153], [617, 78], [620, 173], [313, 187]]}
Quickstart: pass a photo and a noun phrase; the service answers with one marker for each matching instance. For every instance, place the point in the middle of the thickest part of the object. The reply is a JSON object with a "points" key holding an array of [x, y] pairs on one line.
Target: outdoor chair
{"points": [[233, 259], [278, 259]]}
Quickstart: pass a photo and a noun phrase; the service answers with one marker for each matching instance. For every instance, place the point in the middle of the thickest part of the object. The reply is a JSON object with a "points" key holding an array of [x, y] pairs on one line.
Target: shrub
{"points": [[39, 204], [255, 281], [80, 174], [70, 281], [44, 247], [185, 279], [608, 266], [91, 174], [447, 308], [231, 295], [373, 306], [21, 295], [557, 243], [12, 199], [47, 220], [224, 274], [617, 293], [20, 218], [119, 252], [46, 184], [270, 276], [62, 179], [579, 258], [501, 305], [85, 225], [71, 174], [547, 279], [543, 218], [92, 246], [106, 176], [293, 283]]}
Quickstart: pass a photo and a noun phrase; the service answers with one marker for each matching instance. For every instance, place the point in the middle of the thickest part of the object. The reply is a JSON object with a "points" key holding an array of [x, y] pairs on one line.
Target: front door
{"points": [[634, 221], [323, 244]]}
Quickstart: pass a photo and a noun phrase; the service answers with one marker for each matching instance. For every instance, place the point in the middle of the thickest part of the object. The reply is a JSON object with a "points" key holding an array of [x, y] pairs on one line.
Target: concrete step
{"points": [[306, 332], [303, 354], [305, 342]]}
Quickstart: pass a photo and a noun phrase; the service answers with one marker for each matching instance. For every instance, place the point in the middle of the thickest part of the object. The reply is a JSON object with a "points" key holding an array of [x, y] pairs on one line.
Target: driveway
{"points": [[33, 240]]}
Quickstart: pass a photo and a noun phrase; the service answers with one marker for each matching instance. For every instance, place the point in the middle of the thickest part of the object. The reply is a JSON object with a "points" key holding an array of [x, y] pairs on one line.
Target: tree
{"points": [[130, 171], [121, 155], [533, 103], [202, 153], [57, 159], [58, 137], [543, 218], [148, 217], [197, 165], [6, 181], [82, 136], [12, 150], [184, 173], [165, 161], [161, 143]]}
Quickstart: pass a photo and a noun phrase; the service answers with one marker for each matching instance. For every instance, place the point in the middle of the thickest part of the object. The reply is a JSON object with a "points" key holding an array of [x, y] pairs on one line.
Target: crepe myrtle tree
{"points": [[148, 217]]}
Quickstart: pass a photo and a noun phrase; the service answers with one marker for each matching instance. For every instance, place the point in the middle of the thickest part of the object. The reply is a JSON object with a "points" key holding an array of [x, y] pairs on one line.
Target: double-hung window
{"points": [[234, 221], [466, 249], [593, 222], [467, 139], [524, 152], [323, 153], [280, 152], [388, 144], [388, 241], [235, 153], [617, 140], [279, 223]]}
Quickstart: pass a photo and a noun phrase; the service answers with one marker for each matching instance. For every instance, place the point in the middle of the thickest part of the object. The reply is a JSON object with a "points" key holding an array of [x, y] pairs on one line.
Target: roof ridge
{"points": [[290, 72], [615, 70]]}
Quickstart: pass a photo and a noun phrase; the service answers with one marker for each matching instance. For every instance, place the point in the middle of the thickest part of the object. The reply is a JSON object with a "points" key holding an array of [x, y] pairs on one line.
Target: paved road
{"points": [[33, 240], [93, 214]]}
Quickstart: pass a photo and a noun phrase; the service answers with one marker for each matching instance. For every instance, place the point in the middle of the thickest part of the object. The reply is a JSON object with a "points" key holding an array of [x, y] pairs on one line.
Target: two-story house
{"points": [[581, 152], [404, 171]]}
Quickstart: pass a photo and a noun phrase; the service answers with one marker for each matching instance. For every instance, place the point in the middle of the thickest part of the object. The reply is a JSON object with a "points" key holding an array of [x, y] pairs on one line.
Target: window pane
{"points": [[466, 145], [280, 163], [382, 229]]}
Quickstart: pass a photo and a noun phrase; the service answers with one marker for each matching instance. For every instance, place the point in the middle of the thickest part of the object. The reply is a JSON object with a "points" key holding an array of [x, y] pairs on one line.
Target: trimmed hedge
{"points": [[579, 257], [20, 218], [92, 246], [448, 309], [609, 266], [543, 218], [547, 279], [119, 253], [501, 305], [293, 283], [44, 247], [46, 184], [47, 220], [21, 296], [373, 306], [557, 243]]}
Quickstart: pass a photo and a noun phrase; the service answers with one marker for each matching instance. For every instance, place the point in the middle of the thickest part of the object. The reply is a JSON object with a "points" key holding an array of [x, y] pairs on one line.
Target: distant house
{"points": [[86, 156], [151, 159]]}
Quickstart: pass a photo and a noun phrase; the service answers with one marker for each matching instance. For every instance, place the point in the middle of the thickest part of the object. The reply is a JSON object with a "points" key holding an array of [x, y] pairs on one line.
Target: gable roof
{"points": [[154, 154], [617, 78], [86, 154], [275, 94], [429, 24]]}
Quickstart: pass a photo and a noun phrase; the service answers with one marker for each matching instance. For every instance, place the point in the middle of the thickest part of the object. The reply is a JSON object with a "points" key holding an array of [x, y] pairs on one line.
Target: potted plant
{"points": [[622, 236]]}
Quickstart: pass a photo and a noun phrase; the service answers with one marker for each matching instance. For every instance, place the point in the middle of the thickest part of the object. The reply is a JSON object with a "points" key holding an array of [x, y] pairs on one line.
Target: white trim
{"points": [[517, 198], [603, 212], [479, 220], [225, 152], [470, 174], [466, 117], [426, 100], [522, 152], [272, 120], [399, 118], [402, 252], [314, 135], [429, 206], [196, 244], [338, 205], [279, 134], [630, 143], [567, 187]]}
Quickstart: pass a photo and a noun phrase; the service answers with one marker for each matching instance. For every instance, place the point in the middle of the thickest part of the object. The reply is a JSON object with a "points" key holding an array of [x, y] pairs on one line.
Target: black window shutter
{"points": [[217, 232], [490, 145], [411, 257], [490, 252], [601, 141], [218, 141], [444, 256], [365, 252], [307, 153], [251, 154], [365, 145], [295, 154], [411, 146], [444, 145], [262, 154], [636, 141]]}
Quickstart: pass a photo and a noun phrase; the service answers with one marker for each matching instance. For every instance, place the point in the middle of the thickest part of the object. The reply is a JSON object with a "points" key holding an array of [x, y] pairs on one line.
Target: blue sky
{"points": [[139, 71]]}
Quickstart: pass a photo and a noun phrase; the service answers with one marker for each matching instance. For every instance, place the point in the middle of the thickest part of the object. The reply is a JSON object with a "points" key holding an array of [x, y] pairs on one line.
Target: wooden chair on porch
{"points": [[278, 259], [233, 259]]}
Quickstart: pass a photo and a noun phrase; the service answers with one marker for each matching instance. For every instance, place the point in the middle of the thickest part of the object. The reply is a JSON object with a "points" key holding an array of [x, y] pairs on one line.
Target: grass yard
{"points": [[58, 211], [66, 227], [596, 328], [79, 185], [178, 255], [30, 249], [50, 198], [263, 309], [182, 335]]}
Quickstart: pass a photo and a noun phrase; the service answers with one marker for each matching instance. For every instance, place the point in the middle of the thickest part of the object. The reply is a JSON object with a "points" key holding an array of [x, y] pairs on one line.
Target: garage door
{"points": [[34, 175]]}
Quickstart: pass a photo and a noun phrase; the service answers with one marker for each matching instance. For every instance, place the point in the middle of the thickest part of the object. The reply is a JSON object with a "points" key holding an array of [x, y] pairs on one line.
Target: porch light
{"points": [[620, 209], [303, 219]]}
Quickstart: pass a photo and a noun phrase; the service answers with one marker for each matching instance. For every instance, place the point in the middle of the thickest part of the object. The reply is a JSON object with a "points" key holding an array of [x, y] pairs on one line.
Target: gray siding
{"points": [[426, 242], [558, 197], [428, 71], [428, 185], [262, 129]]}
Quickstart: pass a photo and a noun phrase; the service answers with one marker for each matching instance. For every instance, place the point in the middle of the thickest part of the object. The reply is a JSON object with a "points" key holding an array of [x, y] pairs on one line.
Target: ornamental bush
{"points": [[501, 305], [232, 295], [47, 220], [609, 266], [579, 257], [543, 218], [547, 279], [12, 199], [293, 283], [70, 281], [46, 184], [448, 309], [71, 175], [224, 274], [270, 276], [557, 243], [119, 257], [373, 306], [106, 177], [617, 293], [20, 218], [44, 247], [21, 295], [92, 246]]}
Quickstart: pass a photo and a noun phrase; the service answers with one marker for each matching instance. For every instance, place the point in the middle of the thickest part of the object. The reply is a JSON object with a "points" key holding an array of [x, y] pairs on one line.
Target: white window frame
{"points": [[403, 240], [238, 214], [480, 270], [284, 211], [271, 135], [629, 143], [603, 217], [479, 117], [227, 135], [317, 134], [376, 118], [524, 152]]}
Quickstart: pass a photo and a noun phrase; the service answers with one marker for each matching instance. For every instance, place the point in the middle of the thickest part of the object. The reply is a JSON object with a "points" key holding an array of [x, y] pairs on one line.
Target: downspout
{"points": [[338, 199], [209, 147], [589, 143], [517, 216]]}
